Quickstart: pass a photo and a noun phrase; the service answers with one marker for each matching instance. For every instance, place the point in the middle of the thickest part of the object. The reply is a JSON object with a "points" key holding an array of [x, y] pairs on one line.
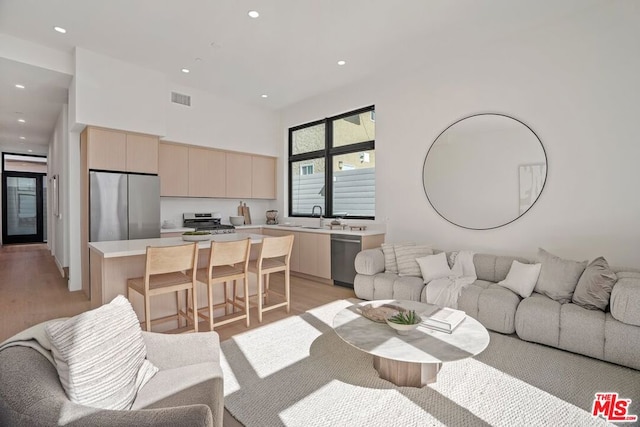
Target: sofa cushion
{"points": [[558, 277], [406, 259], [494, 268], [433, 267], [582, 330], [370, 262], [100, 355], [625, 298], [538, 320], [621, 342], [388, 249], [408, 288], [522, 278], [595, 285]]}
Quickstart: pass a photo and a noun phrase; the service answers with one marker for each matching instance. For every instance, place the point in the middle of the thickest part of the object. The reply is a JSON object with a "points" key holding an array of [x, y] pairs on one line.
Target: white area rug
{"points": [[298, 372]]}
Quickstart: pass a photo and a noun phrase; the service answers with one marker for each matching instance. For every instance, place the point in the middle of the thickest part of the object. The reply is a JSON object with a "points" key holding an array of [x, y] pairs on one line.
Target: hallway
{"points": [[32, 290]]}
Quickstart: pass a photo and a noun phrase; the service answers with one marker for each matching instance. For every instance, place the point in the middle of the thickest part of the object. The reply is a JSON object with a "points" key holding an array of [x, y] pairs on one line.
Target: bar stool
{"points": [[275, 255], [164, 274], [228, 261]]}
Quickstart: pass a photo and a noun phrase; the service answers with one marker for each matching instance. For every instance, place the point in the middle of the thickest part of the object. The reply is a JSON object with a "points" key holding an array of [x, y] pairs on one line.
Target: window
{"points": [[306, 169], [332, 164]]}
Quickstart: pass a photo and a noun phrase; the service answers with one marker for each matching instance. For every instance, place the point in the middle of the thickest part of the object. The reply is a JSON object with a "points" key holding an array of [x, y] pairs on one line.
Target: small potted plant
{"points": [[404, 321]]}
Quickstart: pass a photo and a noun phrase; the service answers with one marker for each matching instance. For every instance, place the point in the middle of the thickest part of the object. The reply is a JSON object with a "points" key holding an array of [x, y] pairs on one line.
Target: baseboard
{"points": [[64, 271]]}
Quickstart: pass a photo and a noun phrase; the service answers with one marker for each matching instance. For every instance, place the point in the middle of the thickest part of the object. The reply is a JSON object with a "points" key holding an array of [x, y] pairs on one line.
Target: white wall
{"points": [[58, 239], [574, 84], [115, 94]]}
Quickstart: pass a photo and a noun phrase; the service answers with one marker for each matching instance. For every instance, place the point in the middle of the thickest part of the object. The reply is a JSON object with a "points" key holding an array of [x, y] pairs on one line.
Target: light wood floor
{"points": [[32, 291]]}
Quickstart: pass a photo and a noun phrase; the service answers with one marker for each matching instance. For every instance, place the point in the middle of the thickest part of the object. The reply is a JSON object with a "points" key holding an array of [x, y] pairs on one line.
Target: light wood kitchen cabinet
{"points": [[263, 177], [295, 251], [106, 149], [207, 172], [315, 254], [142, 153], [173, 167], [239, 175], [115, 150]]}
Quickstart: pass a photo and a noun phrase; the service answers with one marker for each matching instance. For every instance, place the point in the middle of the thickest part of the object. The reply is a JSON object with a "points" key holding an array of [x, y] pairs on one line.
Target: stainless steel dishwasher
{"points": [[344, 248]]}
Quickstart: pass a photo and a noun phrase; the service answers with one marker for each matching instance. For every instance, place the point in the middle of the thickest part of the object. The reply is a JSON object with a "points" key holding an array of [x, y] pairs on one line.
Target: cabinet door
{"points": [[142, 153], [263, 177], [239, 175], [315, 254], [106, 149], [206, 173], [173, 169]]}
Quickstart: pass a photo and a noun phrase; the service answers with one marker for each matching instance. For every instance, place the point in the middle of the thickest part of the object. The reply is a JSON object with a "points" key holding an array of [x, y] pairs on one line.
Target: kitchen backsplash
{"points": [[172, 208]]}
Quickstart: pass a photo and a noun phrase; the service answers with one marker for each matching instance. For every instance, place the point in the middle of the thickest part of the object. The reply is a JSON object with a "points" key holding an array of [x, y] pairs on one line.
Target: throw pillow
{"points": [[595, 285], [100, 356], [390, 263], [406, 258], [434, 267], [521, 278], [558, 277]]}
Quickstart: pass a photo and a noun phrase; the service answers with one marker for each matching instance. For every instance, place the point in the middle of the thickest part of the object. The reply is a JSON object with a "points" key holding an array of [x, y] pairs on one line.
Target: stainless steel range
{"points": [[208, 221]]}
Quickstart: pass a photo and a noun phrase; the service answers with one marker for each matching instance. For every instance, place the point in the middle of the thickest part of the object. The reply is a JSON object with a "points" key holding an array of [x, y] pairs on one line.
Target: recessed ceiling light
{"points": [[19, 86], [31, 151], [185, 70], [342, 62], [22, 120], [60, 30], [253, 13], [23, 138], [265, 95]]}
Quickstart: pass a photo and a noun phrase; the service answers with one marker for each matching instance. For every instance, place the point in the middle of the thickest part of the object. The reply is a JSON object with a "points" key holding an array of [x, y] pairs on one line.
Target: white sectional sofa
{"points": [[612, 334]]}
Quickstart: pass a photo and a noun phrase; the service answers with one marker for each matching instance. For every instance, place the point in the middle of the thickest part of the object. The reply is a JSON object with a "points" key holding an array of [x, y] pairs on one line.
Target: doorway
{"points": [[23, 198]]}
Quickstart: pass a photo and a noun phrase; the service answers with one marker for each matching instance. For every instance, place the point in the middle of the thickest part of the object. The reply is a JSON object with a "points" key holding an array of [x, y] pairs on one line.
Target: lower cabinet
{"points": [[311, 253]]}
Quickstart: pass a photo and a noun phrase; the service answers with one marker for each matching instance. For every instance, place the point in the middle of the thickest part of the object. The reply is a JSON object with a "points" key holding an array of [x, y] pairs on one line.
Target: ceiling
{"points": [[289, 53]]}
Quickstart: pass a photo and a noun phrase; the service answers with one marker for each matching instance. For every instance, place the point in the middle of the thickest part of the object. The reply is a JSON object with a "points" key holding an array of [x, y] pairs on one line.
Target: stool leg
{"points": [[260, 296], [246, 297], [210, 296], [147, 313], [287, 289], [195, 307], [226, 305], [266, 288]]}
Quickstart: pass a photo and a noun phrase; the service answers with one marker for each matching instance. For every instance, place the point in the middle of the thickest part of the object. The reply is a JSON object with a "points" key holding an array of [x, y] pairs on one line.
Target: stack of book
{"points": [[443, 319]]}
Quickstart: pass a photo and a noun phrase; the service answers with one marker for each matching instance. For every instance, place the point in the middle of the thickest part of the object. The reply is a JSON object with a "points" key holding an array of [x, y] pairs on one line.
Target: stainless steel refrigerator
{"points": [[123, 206]]}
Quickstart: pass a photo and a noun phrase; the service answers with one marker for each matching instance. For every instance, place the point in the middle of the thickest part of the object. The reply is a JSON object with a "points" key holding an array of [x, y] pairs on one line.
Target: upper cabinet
{"points": [[173, 167], [239, 175], [120, 151], [207, 173], [263, 177], [189, 171], [142, 153]]}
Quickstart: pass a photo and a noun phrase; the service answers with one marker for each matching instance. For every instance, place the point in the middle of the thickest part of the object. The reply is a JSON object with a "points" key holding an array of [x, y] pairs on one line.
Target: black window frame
{"points": [[327, 154]]}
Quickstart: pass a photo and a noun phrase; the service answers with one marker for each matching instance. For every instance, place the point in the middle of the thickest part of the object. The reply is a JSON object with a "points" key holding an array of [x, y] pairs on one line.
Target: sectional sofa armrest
{"points": [[173, 351], [625, 298], [370, 262]]}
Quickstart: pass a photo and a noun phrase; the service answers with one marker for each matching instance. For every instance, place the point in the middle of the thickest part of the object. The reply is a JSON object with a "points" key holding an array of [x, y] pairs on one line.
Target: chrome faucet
{"points": [[313, 213]]}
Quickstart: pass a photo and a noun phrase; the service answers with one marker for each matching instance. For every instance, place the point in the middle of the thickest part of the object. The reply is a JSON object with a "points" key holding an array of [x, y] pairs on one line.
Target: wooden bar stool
{"points": [[228, 261], [275, 255], [164, 274]]}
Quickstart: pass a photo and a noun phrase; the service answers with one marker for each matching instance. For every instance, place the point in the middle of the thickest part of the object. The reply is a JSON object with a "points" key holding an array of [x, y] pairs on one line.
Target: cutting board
{"points": [[246, 213]]}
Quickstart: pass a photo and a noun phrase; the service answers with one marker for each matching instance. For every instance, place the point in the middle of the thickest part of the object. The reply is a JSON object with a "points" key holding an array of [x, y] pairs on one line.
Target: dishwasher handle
{"points": [[346, 241]]}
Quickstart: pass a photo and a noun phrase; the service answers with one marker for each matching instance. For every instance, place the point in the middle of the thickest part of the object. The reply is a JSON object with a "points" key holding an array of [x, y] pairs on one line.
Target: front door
{"points": [[22, 207]]}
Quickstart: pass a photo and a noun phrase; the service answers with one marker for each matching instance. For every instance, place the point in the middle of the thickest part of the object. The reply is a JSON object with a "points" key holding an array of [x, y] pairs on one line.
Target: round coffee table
{"points": [[411, 360]]}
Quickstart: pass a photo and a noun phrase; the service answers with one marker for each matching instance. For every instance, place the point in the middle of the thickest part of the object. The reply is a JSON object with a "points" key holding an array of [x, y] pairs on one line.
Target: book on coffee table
{"points": [[443, 319]]}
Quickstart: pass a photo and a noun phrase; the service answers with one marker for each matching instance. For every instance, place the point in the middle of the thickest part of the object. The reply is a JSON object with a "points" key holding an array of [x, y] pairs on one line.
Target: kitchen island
{"points": [[112, 263]]}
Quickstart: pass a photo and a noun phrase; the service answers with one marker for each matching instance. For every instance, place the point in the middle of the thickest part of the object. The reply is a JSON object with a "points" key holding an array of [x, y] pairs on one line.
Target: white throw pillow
{"points": [[522, 278], [100, 356], [434, 267]]}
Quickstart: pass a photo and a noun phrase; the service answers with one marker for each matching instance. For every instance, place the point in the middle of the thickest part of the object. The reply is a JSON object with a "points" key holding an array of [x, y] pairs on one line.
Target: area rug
{"points": [[298, 372]]}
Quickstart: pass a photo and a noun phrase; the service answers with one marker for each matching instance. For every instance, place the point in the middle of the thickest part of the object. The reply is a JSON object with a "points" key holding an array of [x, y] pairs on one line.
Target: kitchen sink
{"points": [[311, 227]]}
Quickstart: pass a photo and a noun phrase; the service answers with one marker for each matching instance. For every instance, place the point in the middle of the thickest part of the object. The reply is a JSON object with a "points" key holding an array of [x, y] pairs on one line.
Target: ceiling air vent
{"points": [[180, 98]]}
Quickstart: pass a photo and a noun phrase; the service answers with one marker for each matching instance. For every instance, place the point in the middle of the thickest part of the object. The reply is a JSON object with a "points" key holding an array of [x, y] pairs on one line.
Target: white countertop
{"points": [[327, 230], [124, 248]]}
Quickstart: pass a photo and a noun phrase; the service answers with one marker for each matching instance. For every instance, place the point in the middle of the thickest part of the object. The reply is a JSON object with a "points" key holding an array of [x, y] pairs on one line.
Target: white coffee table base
{"points": [[406, 374]]}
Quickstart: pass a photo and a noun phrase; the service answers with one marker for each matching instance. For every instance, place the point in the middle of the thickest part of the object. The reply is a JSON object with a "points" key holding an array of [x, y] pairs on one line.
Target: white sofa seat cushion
{"points": [[100, 356]]}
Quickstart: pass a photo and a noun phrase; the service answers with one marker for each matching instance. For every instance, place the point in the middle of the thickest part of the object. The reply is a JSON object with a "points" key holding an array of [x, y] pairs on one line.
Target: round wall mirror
{"points": [[484, 171]]}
